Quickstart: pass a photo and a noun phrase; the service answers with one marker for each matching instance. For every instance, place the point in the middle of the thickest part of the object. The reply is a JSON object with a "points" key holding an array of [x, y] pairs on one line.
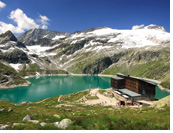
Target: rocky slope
{"points": [[142, 51], [36, 36]]}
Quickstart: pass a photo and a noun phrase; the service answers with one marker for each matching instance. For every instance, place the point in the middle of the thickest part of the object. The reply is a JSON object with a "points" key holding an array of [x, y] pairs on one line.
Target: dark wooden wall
{"points": [[117, 83], [146, 89], [132, 84]]}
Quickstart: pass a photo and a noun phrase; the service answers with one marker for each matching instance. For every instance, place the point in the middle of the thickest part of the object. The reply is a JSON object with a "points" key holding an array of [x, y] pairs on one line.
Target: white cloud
{"points": [[2, 5], [4, 27], [44, 21], [23, 22]]}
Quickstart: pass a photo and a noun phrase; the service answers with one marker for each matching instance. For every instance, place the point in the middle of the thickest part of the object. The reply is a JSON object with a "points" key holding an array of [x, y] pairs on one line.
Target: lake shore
{"points": [[31, 76], [13, 86], [100, 75]]}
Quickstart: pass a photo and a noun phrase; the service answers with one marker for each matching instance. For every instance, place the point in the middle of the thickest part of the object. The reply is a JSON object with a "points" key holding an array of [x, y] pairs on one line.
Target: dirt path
{"points": [[103, 100], [41, 101], [59, 98]]}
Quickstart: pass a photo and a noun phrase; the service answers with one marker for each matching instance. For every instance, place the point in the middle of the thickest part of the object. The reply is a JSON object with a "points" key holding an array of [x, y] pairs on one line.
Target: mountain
{"points": [[142, 51], [34, 36], [16, 61]]}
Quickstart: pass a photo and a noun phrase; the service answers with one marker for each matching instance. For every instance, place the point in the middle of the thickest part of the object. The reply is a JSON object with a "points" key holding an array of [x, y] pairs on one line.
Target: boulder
{"points": [[1, 110], [28, 108], [27, 117], [43, 124], [26, 103], [29, 103], [56, 124], [17, 124], [64, 123], [34, 121], [10, 110], [57, 116], [23, 103], [3, 127], [68, 110]]}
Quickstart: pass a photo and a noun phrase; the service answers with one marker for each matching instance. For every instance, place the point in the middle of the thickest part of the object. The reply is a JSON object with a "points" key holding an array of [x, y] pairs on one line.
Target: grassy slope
{"points": [[86, 58], [158, 68], [150, 65], [10, 74], [85, 117]]}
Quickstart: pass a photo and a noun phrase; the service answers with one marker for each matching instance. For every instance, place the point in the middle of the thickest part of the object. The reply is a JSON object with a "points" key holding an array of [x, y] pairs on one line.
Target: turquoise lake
{"points": [[49, 86]]}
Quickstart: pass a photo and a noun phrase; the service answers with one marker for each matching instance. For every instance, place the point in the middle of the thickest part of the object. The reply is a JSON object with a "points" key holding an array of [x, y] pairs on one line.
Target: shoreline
{"points": [[14, 86], [100, 75], [42, 75]]}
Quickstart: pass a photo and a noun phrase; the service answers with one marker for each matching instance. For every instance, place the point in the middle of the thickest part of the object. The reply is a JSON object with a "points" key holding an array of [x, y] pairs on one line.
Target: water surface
{"points": [[49, 86]]}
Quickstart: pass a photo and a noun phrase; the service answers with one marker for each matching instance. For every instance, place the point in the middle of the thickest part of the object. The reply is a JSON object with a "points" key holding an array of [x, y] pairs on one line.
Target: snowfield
{"points": [[41, 51], [108, 39]]}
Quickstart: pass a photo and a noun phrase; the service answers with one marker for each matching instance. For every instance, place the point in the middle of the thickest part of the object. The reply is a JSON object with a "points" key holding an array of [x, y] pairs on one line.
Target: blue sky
{"points": [[77, 15]]}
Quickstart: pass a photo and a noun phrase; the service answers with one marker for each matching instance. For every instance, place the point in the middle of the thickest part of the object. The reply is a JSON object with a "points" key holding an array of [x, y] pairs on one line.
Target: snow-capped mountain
{"points": [[92, 51], [95, 39]]}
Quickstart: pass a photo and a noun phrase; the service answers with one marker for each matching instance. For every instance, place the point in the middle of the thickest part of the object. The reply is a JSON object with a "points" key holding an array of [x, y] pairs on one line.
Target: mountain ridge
{"points": [[91, 51]]}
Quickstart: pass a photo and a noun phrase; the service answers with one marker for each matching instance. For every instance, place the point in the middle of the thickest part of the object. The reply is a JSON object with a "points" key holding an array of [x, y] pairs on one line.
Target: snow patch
{"points": [[101, 47], [138, 27], [8, 50], [15, 66], [13, 42], [89, 49], [69, 56], [51, 54], [37, 49], [104, 31], [45, 36], [113, 39], [33, 61], [74, 41], [93, 43], [77, 35], [58, 37]]}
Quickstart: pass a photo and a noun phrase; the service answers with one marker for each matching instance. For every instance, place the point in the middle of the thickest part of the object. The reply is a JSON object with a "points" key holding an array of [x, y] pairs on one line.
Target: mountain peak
{"points": [[8, 35], [151, 26], [36, 34]]}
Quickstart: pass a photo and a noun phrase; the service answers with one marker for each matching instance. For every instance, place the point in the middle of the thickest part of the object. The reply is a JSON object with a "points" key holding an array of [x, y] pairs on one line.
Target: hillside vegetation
{"points": [[146, 64], [83, 117], [9, 76]]}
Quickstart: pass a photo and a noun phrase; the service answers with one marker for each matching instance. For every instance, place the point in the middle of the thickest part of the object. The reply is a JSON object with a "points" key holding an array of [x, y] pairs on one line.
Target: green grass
{"points": [[73, 97], [101, 91], [31, 69], [166, 84], [158, 69], [84, 117], [7, 73], [89, 97], [83, 61]]}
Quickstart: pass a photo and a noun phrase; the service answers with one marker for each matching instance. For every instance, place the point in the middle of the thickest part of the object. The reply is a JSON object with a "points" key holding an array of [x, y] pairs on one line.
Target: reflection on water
{"points": [[48, 86]]}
